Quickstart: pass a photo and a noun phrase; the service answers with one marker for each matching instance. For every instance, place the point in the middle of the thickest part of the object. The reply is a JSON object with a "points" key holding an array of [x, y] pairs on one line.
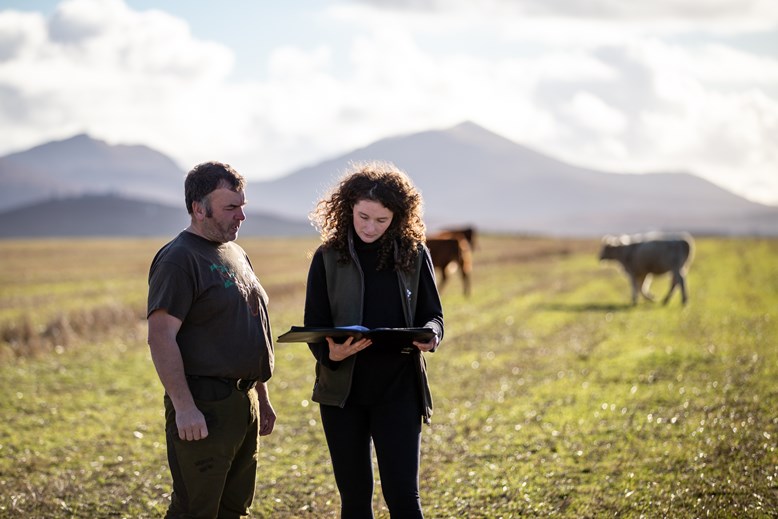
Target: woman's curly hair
{"points": [[380, 182]]}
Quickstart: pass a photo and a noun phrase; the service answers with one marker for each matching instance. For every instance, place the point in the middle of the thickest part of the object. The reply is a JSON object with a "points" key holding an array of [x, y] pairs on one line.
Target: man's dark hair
{"points": [[207, 177]]}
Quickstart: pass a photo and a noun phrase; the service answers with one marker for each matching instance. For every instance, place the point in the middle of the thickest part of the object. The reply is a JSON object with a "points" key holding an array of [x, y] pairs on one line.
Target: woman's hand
{"points": [[339, 352], [427, 346]]}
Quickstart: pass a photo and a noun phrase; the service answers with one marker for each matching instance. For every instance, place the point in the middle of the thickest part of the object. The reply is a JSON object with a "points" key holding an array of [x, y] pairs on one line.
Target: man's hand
{"points": [[267, 418], [191, 424], [267, 415]]}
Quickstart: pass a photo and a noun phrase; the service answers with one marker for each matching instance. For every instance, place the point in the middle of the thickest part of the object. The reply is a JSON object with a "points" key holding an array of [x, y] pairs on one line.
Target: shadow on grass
{"points": [[586, 307]]}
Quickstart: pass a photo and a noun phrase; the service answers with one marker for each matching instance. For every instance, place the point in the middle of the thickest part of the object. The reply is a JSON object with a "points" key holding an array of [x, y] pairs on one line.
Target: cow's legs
{"points": [[678, 280], [465, 280], [670, 292], [642, 283], [635, 289], [443, 279], [682, 282]]}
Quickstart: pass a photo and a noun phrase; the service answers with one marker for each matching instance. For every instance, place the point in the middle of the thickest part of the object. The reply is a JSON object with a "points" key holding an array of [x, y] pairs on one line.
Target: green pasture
{"points": [[553, 396]]}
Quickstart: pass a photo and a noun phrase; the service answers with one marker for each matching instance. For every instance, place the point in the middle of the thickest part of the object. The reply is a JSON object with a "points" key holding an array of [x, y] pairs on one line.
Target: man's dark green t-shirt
{"points": [[211, 287]]}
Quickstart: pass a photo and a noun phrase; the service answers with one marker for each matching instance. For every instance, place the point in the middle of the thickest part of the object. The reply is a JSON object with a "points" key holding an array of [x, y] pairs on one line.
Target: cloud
{"points": [[17, 32], [591, 9], [595, 93], [592, 113], [98, 66]]}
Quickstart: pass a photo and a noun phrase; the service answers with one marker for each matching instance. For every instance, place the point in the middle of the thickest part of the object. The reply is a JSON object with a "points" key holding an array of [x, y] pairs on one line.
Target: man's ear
{"points": [[198, 211]]}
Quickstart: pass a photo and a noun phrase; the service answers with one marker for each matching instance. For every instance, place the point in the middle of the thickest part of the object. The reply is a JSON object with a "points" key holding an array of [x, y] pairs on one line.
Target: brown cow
{"points": [[467, 233], [452, 250], [642, 256]]}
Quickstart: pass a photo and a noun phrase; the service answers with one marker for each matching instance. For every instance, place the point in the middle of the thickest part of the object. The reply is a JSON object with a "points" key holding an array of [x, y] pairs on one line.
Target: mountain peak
{"points": [[474, 133], [468, 126], [78, 144], [466, 172], [80, 137], [82, 163]]}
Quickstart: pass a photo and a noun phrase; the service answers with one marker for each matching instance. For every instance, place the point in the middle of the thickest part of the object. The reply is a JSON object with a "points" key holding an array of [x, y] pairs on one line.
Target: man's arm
{"points": [[163, 329]]}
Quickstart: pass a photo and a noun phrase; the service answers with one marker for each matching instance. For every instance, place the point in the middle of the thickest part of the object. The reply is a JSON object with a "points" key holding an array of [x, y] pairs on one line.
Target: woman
{"points": [[373, 269]]}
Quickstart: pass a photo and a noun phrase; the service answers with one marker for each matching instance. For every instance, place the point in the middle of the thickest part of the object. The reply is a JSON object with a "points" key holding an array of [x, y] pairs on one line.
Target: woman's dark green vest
{"points": [[345, 289]]}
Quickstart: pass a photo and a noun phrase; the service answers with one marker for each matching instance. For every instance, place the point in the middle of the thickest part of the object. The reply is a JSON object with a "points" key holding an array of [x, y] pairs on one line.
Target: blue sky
{"points": [[630, 87]]}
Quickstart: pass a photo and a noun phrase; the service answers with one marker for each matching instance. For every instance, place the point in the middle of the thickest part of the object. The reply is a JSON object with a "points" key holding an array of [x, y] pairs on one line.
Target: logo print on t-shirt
{"points": [[228, 275], [250, 289]]}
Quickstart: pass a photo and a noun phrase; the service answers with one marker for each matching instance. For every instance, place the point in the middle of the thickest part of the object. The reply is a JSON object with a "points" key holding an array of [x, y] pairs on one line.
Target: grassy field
{"points": [[553, 396]]}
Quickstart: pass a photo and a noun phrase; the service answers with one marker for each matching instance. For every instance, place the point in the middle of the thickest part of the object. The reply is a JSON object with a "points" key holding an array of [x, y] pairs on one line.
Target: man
{"points": [[211, 344]]}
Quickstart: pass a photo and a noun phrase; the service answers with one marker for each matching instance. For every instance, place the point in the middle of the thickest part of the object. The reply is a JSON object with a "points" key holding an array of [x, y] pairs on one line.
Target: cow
{"points": [[642, 256], [467, 233], [452, 250]]}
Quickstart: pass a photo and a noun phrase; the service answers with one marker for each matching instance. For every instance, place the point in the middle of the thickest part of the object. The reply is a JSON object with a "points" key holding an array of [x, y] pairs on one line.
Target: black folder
{"points": [[317, 334]]}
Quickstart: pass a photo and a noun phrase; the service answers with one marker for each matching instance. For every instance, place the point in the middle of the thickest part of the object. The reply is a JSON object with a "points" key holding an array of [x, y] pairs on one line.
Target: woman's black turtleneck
{"points": [[382, 372]]}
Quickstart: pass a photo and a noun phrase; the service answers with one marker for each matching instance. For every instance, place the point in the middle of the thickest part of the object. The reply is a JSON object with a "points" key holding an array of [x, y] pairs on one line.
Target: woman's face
{"points": [[371, 220]]}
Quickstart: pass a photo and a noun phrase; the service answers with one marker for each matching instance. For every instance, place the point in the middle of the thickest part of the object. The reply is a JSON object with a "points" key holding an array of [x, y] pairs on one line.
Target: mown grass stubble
{"points": [[553, 396]]}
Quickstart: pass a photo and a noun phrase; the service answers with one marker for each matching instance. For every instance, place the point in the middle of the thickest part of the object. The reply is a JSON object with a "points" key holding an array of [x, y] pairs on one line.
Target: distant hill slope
{"points": [[116, 216], [80, 165], [467, 174], [470, 175]]}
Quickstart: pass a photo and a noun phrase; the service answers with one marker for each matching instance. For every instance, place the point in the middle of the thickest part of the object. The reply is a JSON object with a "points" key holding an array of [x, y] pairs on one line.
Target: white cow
{"points": [[644, 255]]}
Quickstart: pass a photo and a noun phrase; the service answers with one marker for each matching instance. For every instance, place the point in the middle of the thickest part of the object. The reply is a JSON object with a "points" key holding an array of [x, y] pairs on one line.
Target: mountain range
{"points": [[467, 175]]}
